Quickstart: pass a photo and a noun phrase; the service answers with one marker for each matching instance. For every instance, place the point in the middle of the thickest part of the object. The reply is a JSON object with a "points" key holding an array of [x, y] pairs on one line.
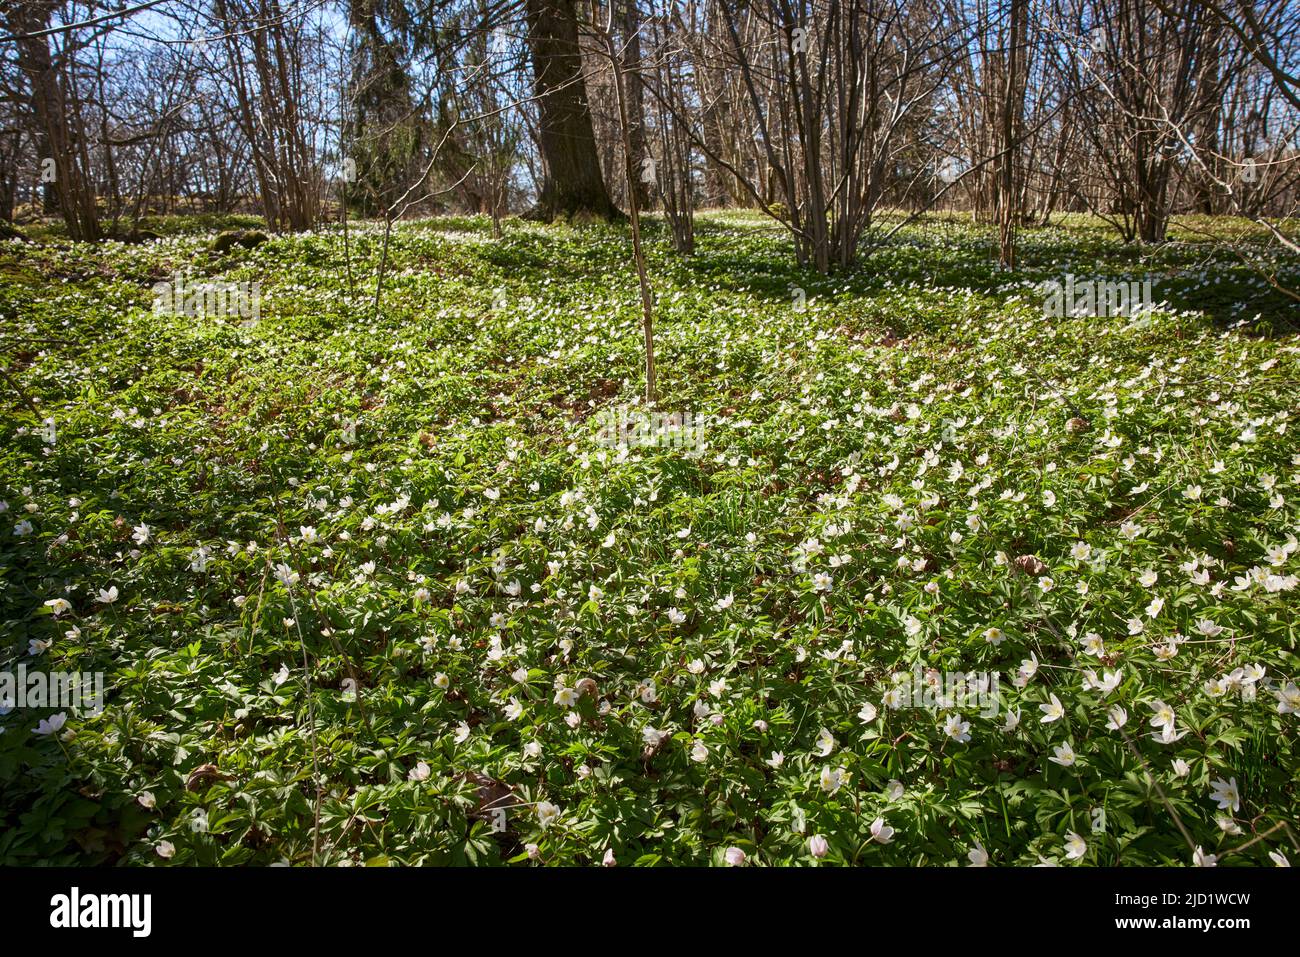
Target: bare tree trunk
{"points": [[1013, 108], [635, 90], [629, 171], [268, 112], [572, 187], [73, 188]]}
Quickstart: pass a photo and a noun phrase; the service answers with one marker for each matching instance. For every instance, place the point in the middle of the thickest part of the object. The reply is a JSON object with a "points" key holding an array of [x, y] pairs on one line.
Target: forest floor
{"points": [[420, 584]]}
